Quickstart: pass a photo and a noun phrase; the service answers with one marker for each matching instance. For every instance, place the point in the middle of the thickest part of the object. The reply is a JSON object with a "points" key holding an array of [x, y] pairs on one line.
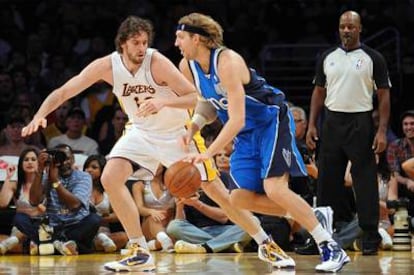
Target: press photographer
{"points": [[67, 192]]}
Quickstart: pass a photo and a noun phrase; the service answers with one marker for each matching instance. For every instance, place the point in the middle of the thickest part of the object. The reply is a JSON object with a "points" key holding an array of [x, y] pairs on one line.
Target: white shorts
{"points": [[149, 150]]}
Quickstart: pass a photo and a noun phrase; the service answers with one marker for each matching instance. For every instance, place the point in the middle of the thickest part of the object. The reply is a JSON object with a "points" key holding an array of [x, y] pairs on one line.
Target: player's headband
{"points": [[193, 29]]}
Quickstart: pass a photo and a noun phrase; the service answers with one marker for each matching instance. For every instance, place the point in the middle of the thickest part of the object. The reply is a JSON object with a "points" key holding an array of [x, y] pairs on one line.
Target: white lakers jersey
{"points": [[132, 90]]}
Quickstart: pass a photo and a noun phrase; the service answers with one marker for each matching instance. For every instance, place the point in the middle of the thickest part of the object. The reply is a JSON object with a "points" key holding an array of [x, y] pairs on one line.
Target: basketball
{"points": [[182, 179]]}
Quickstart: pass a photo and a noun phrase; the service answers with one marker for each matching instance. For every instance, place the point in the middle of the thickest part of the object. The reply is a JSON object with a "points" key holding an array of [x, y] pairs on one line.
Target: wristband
{"points": [[199, 120]]}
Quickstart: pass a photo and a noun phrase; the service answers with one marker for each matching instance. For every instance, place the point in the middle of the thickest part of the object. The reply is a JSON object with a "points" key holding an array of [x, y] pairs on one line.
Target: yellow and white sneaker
{"points": [[137, 259], [186, 247], [270, 252]]}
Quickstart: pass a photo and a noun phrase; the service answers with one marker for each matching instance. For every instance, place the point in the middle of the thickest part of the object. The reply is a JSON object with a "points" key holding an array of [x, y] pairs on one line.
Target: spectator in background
{"points": [[58, 126], [67, 193], [156, 207], [19, 192], [56, 72], [12, 143], [386, 190], [347, 76], [24, 105], [74, 137], [105, 239], [398, 153], [222, 161], [111, 130], [6, 96], [99, 96], [303, 185], [200, 226], [391, 136], [408, 167]]}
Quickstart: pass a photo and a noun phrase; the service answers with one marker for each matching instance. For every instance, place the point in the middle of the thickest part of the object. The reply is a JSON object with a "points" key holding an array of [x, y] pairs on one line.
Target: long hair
{"points": [[133, 25], [101, 162], [209, 25], [21, 175]]}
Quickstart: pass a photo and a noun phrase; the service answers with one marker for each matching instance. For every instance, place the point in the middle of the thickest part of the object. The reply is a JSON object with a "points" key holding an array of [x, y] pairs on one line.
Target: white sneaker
{"points": [[325, 217], [138, 259], [107, 243], [8, 244], [3, 248], [185, 247], [270, 252], [33, 249], [333, 257], [68, 248], [386, 242]]}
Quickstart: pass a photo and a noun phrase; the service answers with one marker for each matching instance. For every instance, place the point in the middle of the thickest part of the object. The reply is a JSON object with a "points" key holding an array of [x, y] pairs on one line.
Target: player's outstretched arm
{"points": [[95, 71], [172, 77]]}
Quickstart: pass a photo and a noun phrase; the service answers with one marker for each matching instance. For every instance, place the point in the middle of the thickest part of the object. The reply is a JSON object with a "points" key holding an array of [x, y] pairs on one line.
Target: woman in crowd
{"points": [[105, 239], [156, 206], [19, 191]]}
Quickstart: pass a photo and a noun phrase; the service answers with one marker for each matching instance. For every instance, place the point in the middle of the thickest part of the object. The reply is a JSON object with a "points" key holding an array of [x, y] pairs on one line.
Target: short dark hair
{"points": [[76, 111], [406, 114], [130, 26]]}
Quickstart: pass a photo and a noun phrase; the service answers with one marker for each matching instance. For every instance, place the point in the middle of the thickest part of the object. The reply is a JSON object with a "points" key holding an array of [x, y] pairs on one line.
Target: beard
{"points": [[135, 59]]}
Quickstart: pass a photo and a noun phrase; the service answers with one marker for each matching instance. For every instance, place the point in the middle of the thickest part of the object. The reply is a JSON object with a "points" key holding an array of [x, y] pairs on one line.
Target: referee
{"points": [[346, 78]]}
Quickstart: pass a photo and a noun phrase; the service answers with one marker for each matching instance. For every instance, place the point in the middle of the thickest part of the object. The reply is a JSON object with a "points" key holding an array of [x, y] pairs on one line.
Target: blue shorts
{"points": [[267, 151]]}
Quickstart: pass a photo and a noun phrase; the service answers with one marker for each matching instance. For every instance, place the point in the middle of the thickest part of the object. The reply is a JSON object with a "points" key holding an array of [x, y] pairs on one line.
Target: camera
{"points": [[56, 156], [402, 237], [306, 155], [45, 237]]}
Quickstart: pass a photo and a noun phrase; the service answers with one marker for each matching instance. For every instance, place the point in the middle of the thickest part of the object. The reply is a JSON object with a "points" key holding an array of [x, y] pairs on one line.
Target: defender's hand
{"points": [[33, 126]]}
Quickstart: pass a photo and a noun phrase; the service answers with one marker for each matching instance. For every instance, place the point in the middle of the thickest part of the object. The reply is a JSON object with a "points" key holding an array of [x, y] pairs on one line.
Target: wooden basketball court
{"points": [[243, 263]]}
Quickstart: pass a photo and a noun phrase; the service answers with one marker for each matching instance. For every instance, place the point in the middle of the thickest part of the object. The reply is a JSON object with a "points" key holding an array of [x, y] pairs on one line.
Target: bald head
{"points": [[350, 29], [351, 16]]}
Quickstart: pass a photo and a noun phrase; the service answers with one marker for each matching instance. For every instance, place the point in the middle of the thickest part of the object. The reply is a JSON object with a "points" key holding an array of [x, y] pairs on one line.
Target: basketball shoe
{"points": [[68, 248], [136, 259], [186, 247], [270, 252], [333, 257]]}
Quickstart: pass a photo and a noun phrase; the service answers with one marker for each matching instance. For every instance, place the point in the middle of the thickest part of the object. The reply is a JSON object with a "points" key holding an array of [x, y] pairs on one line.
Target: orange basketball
{"points": [[182, 179]]}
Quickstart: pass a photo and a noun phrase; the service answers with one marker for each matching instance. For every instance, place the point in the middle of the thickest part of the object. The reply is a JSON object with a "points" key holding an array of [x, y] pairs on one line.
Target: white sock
{"points": [[10, 242], [104, 239], [320, 234], [165, 241], [140, 241], [152, 245], [260, 236]]}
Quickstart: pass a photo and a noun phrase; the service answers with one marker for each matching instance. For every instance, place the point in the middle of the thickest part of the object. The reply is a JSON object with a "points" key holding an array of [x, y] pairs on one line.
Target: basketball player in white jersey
{"points": [[155, 96]]}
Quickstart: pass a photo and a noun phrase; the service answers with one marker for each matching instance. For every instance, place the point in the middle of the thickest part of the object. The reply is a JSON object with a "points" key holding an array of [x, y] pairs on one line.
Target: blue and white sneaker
{"points": [[333, 257], [325, 217], [270, 252], [137, 259]]}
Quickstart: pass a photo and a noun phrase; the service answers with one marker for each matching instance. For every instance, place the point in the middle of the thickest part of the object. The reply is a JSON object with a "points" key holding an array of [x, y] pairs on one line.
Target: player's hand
{"points": [[184, 141], [149, 107], [380, 142], [196, 158], [312, 137], [33, 126]]}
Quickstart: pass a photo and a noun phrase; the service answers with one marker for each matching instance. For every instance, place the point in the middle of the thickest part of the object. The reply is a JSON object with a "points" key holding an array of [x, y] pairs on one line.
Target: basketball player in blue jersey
{"points": [[155, 96], [256, 117]]}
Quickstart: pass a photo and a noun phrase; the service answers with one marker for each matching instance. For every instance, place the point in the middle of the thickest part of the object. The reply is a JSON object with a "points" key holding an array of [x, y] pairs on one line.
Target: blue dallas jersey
{"points": [[260, 101], [265, 147]]}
